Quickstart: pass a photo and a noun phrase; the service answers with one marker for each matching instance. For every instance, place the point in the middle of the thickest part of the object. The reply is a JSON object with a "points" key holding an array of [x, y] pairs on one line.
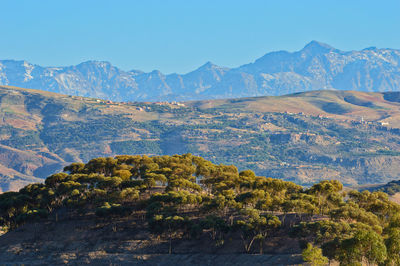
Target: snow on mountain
{"points": [[316, 66]]}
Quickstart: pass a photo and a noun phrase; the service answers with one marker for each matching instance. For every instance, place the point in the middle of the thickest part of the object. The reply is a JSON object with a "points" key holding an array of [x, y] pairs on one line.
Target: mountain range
{"points": [[316, 66]]}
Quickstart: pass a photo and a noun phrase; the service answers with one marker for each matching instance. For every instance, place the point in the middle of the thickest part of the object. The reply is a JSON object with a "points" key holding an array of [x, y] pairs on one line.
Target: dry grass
{"points": [[395, 198]]}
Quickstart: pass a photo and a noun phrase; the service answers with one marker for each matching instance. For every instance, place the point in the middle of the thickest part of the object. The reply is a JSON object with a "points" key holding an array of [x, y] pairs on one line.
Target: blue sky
{"points": [[179, 36]]}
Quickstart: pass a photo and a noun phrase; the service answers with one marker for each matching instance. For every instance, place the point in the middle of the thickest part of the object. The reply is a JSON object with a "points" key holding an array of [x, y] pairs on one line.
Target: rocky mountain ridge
{"points": [[316, 66]]}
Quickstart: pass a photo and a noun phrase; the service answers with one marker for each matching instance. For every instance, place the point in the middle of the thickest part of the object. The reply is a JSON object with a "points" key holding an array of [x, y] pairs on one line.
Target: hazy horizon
{"points": [[177, 36]]}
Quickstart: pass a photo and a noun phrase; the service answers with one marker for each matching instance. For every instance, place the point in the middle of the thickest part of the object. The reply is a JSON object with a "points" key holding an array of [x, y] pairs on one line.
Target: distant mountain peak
{"points": [[208, 65], [96, 63], [156, 72], [136, 72], [372, 48], [317, 47]]}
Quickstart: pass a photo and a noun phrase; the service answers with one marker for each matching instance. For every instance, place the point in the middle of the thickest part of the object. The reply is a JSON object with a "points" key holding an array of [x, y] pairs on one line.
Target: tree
{"points": [[75, 168], [217, 225], [254, 226], [124, 174], [393, 246], [170, 225], [173, 223], [364, 245], [54, 180], [327, 193], [254, 198], [129, 194], [314, 256], [105, 166], [351, 211]]}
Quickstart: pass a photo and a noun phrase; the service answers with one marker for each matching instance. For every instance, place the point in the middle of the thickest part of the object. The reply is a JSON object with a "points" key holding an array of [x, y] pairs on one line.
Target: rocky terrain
{"points": [[305, 137], [317, 66]]}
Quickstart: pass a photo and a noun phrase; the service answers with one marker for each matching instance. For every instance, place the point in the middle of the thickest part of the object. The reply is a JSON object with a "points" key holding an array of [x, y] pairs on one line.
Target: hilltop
{"points": [[305, 137], [184, 209], [317, 66]]}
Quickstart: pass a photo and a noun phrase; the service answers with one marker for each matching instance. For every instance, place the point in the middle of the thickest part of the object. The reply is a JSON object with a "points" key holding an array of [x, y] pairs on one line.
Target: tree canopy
{"points": [[185, 196]]}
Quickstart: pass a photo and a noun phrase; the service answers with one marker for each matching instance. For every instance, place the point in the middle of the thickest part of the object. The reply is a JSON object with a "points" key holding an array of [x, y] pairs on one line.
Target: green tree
{"points": [[393, 246], [314, 256], [217, 225], [327, 193], [170, 225], [254, 226], [105, 166], [364, 245]]}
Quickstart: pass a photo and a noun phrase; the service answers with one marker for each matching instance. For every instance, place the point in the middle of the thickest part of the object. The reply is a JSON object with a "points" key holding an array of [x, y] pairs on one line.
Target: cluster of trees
{"points": [[185, 196], [363, 229]]}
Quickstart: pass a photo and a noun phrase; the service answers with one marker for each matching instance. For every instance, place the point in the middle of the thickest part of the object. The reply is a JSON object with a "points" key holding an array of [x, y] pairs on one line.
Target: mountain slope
{"points": [[317, 66], [303, 137]]}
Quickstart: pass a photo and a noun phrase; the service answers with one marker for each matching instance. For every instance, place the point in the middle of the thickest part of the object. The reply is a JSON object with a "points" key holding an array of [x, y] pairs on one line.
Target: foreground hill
{"points": [[316, 66], [141, 209], [306, 137]]}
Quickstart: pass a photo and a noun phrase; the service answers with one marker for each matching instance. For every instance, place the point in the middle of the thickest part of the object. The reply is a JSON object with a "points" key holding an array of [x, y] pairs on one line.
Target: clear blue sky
{"points": [[179, 36]]}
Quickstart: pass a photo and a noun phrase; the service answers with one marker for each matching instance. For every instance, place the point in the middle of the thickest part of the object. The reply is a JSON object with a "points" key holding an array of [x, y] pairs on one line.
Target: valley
{"points": [[306, 137]]}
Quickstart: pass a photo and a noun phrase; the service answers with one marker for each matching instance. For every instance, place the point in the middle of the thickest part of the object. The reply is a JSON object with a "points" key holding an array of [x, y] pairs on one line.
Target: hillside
{"points": [[180, 208], [305, 137], [317, 66]]}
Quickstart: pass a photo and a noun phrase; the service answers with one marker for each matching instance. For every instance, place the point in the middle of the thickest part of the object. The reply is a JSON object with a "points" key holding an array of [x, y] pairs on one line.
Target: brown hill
{"points": [[303, 137]]}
